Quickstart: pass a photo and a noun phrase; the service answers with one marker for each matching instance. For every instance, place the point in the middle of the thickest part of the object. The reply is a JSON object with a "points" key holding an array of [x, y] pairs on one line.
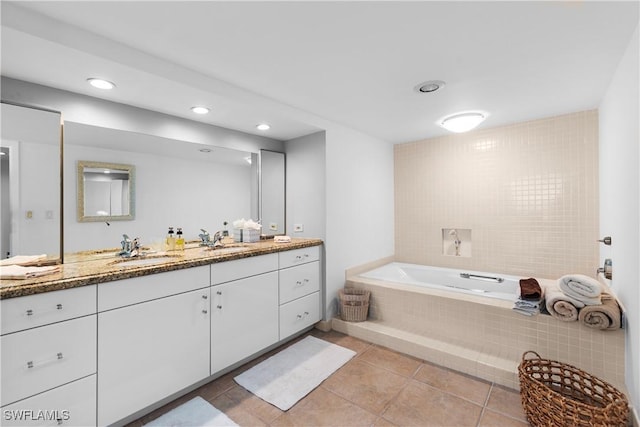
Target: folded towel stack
{"points": [[13, 272], [576, 297], [23, 260], [530, 296]]}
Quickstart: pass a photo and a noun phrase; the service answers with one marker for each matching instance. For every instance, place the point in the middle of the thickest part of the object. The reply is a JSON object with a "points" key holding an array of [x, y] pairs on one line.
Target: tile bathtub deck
{"points": [[378, 387]]}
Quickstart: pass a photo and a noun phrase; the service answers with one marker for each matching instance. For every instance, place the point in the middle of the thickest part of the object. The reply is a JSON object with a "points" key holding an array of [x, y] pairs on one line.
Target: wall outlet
{"points": [[298, 228], [273, 226], [29, 214]]}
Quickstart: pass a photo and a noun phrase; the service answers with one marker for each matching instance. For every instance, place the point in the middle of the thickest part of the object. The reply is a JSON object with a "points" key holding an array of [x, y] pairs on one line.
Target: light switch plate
{"points": [[273, 226]]}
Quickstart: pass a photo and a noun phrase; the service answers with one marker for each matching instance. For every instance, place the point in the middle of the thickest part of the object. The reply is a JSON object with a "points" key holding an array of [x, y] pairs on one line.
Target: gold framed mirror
{"points": [[106, 191]]}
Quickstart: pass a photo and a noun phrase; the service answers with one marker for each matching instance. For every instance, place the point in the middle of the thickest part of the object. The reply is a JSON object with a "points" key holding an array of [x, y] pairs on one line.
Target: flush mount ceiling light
{"points": [[429, 86], [200, 110], [101, 83], [462, 122], [263, 126]]}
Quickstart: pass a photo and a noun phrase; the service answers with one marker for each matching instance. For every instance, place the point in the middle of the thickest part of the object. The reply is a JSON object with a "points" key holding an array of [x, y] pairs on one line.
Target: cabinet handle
{"points": [[204, 311], [204, 297], [219, 307], [219, 292], [59, 306], [31, 364], [300, 316], [29, 312]]}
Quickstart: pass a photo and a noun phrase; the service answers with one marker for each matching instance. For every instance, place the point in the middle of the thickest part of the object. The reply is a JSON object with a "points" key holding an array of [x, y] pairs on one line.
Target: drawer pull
{"points": [[219, 292], [302, 282], [31, 364], [204, 311], [204, 297], [29, 312], [300, 316], [59, 306], [219, 307]]}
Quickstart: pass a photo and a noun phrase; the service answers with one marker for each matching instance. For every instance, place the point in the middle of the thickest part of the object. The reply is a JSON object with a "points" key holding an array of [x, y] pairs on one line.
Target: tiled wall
{"points": [[527, 191]]}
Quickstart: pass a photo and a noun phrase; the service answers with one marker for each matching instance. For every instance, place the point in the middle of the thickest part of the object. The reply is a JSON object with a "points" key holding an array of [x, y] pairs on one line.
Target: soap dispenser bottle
{"points": [[171, 240], [179, 240]]}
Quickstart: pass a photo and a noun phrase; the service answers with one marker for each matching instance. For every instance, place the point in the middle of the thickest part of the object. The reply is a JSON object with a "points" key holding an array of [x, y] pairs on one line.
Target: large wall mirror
{"points": [[31, 182], [177, 184], [106, 191]]}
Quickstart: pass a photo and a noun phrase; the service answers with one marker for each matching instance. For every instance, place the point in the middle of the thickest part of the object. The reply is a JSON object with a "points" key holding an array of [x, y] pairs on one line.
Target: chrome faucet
{"points": [[457, 242], [206, 240], [130, 248]]}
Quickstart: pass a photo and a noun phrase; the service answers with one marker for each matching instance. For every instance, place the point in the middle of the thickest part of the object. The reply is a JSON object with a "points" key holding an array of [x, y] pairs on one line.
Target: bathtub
{"points": [[489, 285], [464, 320]]}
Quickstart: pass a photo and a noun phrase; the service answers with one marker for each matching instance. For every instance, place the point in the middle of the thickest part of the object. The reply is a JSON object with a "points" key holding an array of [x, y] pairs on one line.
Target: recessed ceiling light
{"points": [[430, 86], [205, 150], [263, 126], [462, 122], [101, 83], [200, 110]]}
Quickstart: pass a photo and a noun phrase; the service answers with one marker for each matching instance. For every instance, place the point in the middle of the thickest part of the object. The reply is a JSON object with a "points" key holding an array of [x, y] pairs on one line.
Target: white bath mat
{"points": [[196, 412], [290, 375]]}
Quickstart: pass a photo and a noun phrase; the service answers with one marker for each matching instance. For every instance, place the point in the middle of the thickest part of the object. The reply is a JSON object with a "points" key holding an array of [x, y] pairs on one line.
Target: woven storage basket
{"points": [[354, 304], [557, 394]]}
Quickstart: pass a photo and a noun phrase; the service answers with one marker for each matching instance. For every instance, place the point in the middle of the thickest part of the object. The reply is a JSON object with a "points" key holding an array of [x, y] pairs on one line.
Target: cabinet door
{"points": [[150, 350], [244, 318]]}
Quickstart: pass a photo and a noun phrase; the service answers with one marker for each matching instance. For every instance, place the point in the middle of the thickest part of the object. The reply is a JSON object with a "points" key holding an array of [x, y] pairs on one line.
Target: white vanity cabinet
{"points": [[153, 339], [48, 352], [244, 317], [299, 289]]}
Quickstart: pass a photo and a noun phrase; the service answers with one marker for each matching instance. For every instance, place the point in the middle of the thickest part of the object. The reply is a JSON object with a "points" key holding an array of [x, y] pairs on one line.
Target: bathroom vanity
{"points": [[102, 341]]}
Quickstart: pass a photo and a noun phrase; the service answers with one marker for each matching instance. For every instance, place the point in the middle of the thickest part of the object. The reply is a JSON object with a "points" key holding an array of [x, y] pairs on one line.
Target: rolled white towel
{"points": [[582, 288], [560, 305]]}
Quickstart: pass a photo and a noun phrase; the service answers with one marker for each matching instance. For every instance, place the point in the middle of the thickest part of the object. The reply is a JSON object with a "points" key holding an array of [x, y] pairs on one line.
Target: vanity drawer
{"points": [[42, 358], [296, 282], [299, 314], [74, 404], [146, 288], [41, 309], [298, 256], [240, 268]]}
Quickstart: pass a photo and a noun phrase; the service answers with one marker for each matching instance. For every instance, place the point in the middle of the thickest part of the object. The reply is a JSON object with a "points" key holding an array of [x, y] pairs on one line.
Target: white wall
{"points": [[306, 186], [360, 209], [619, 195]]}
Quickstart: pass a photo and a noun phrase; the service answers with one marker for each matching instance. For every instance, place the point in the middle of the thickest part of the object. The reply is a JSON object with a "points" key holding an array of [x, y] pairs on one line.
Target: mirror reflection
{"points": [[105, 191], [177, 184], [272, 192], [30, 172]]}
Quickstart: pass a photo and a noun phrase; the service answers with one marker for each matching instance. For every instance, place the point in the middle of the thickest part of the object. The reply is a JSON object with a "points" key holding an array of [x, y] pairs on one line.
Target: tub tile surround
{"points": [[89, 269], [480, 336], [528, 192]]}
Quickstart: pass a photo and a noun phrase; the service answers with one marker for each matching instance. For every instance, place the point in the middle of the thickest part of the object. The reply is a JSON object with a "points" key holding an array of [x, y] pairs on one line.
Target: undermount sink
{"points": [[143, 261], [229, 250]]}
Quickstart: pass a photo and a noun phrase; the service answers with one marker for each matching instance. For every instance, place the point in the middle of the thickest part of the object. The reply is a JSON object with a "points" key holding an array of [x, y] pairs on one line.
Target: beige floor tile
{"points": [[381, 422], [343, 340], [324, 408], [399, 363], [454, 382], [419, 404], [253, 404], [240, 414], [494, 419], [506, 401], [368, 386]]}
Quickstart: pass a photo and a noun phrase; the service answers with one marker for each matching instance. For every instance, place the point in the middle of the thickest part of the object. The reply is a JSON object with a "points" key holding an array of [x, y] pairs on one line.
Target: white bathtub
{"points": [[490, 285]]}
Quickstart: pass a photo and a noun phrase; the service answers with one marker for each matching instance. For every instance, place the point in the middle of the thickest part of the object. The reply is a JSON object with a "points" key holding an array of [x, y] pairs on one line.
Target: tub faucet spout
{"points": [[457, 242]]}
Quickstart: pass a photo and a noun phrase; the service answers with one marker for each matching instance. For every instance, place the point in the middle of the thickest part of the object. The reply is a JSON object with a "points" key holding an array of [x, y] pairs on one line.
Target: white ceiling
{"points": [[298, 64]]}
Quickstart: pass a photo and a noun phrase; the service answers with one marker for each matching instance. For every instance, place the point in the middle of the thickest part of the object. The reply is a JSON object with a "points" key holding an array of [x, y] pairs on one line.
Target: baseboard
{"points": [[635, 420]]}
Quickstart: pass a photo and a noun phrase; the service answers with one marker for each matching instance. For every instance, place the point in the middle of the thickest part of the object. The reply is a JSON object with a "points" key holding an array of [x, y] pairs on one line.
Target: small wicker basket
{"points": [[354, 304], [557, 394]]}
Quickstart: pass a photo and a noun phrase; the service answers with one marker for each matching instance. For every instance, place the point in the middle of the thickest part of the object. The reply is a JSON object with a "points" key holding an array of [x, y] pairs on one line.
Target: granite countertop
{"points": [[92, 267]]}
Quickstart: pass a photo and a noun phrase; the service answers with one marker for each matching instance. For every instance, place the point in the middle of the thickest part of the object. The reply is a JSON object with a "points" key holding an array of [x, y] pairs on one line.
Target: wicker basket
{"points": [[354, 304], [557, 394]]}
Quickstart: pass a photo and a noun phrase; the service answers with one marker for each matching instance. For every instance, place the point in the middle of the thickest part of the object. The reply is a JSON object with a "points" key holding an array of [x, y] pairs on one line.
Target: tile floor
{"points": [[378, 387]]}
